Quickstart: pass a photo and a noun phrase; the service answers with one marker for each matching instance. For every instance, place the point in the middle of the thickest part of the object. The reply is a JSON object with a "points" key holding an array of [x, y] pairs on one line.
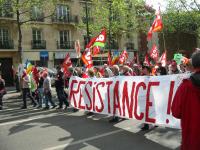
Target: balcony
{"points": [[39, 18], [6, 15], [38, 44], [6, 44], [65, 19], [65, 45]]}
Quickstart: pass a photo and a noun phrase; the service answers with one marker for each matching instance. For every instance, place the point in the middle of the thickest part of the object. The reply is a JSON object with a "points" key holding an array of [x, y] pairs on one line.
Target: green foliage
{"points": [[22, 8], [180, 17], [126, 16]]}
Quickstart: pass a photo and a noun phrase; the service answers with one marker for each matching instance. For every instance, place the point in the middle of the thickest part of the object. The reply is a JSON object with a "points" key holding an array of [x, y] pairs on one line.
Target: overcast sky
{"points": [[163, 3], [157, 3]]}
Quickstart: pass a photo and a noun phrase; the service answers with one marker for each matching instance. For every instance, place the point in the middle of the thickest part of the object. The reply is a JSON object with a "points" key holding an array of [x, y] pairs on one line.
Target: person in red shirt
{"points": [[186, 107]]}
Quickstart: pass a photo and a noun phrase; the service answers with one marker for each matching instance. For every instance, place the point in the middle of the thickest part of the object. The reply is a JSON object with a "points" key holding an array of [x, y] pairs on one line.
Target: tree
{"points": [[182, 16], [22, 10], [122, 17], [181, 27]]}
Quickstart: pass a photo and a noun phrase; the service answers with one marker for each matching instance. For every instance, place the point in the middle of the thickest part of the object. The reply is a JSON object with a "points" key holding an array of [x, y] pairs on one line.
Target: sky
{"points": [[157, 3], [163, 3]]}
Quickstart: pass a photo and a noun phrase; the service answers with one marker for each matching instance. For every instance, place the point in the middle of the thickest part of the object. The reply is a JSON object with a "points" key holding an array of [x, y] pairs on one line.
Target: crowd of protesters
{"points": [[42, 93], [185, 106]]}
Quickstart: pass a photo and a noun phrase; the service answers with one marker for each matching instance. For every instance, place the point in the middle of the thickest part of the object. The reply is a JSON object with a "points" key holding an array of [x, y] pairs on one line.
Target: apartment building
{"points": [[47, 40]]}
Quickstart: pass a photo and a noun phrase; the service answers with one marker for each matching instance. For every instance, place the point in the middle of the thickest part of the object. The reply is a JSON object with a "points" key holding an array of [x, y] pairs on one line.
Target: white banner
{"points": [[144, 98]]}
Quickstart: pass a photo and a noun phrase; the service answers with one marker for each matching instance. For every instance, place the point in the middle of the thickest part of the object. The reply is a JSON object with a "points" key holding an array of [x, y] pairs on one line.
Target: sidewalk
{"points": [[11, 88]]}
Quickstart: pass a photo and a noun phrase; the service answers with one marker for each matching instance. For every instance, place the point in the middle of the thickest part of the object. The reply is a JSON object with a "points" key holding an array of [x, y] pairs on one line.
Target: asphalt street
{"points": [[53, 129]]}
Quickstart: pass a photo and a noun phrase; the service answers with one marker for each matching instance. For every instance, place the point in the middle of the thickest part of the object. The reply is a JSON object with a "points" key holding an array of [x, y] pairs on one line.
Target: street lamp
{"points": [[87, 22], [110, 17]]}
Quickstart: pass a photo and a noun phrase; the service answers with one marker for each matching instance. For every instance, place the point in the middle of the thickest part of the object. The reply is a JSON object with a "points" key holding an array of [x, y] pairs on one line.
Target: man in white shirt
{"points": [[47, 91]]}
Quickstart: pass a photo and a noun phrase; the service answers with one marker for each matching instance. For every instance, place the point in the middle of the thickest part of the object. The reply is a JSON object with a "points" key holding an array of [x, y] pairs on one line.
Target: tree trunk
{"points": [[19, 35]]}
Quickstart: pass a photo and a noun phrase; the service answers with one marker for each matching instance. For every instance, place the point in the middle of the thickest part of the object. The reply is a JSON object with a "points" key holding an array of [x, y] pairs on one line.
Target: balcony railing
{"points": [[6, 15], [65, 19], [65, 45], [39, 18], [38, 44], [6, 44]]}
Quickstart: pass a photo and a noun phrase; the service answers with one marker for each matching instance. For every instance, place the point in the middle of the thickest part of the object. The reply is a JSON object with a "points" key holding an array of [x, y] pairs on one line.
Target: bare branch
{"points": [[186, 6], [24, 12], [29, 20], [197, 5]]}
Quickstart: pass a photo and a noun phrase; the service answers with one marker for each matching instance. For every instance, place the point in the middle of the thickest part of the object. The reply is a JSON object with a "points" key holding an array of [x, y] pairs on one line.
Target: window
{"points": [[62, 12], [36, 14], [6, 9], [64, 36], [4, 35], [37, 35], [37, 42], [5, 41]]}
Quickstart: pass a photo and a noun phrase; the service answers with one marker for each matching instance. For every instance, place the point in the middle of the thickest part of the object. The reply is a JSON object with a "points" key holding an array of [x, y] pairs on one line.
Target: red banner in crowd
{"points": [[123, 57], [154, 54], [67, 63]]}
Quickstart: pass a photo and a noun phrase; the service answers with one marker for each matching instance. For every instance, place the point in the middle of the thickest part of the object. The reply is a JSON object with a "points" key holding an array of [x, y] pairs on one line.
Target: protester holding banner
{"points": [[173, 68], [108, 73], [186, 106], [189, 68], [146, 71], [91, 75], [116, 72], [161, 70]]}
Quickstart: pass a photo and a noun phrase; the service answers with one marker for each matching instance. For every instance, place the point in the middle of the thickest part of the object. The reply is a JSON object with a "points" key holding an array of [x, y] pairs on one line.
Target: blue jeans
{"points": [[40, 94], [48, 98]]}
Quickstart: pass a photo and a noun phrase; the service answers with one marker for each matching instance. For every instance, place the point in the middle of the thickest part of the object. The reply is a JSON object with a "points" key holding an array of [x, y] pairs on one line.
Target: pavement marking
{"points": [[23, 113], [5, 109], [84, 140], [30, 119]]}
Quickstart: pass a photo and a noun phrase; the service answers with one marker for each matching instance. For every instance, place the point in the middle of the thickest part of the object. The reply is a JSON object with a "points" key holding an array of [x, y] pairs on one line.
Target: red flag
{"points": [[154, 53], [98, 40], [163, 59], [87, 58], [109, 59], [157, 25], [35, 73], [123, 57], [146, 60], [150, 33], [185, 60], [96, 50], [78, 48], [67, 63]]}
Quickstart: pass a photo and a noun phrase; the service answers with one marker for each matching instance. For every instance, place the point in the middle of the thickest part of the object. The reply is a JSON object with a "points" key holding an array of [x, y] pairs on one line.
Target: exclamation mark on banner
{"points": [[171, 91]]}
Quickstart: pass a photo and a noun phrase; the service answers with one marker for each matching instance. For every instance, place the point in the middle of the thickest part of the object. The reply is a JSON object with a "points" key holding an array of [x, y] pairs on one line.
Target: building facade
{"points": [[45, 41]]}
